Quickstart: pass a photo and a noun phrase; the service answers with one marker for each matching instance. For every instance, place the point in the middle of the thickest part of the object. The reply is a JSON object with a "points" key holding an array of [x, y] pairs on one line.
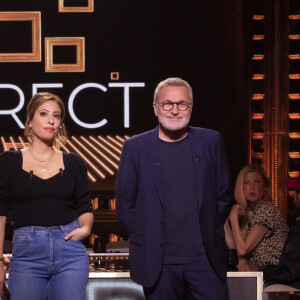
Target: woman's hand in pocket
{"points": [[78, 234]]}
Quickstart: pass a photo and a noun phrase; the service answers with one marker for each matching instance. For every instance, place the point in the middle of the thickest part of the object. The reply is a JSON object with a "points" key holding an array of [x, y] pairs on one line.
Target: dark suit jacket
{"points": [[140, 200]]}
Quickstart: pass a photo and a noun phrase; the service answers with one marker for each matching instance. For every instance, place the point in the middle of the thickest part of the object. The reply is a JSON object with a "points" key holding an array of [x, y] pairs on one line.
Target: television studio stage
{"points": [[104, 59]]}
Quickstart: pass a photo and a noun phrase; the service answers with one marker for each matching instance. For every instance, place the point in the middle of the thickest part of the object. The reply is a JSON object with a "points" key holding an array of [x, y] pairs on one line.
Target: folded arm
{"points": [[245, 245]]}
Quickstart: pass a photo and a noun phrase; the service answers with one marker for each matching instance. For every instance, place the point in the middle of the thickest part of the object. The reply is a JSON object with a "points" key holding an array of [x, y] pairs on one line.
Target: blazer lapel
{"points": [[156, 164], [198, 160]]}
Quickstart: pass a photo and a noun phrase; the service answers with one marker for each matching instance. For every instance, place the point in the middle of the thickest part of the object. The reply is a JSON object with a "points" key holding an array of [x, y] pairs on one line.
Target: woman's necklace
{"points": [[43, 169]]}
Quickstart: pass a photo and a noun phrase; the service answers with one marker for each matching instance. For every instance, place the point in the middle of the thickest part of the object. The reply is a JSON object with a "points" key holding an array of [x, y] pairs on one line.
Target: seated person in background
{"points": [[288, 270], [255, 227]]}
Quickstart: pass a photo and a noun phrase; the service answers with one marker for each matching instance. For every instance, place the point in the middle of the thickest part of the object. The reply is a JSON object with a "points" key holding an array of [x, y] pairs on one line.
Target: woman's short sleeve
{"points": [[5, 186], [266, 215], [82, 195]]}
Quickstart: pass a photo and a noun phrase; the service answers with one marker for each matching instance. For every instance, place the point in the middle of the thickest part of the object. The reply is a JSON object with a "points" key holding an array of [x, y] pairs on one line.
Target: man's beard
{"points": [[168, 124]]}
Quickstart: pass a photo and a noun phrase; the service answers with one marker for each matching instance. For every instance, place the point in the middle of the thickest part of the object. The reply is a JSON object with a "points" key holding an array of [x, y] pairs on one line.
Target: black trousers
{"points": [[188, 281]]}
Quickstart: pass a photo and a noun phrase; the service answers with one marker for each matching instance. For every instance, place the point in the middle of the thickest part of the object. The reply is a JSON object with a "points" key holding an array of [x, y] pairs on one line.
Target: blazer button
{"points": [[162, 224], [160, 245]]}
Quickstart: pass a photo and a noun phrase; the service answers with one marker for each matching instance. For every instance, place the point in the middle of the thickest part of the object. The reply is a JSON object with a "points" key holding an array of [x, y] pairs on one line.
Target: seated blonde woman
{"points": [[255, 228]]}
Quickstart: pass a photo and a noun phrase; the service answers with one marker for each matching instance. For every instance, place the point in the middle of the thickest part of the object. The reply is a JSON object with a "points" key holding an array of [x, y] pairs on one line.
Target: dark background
{"points": [[145, 41]]}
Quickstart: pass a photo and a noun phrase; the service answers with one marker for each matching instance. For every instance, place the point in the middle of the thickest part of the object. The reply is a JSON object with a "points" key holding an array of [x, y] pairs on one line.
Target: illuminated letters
{"points": [[71, 101], [13, 111], [37, 86], [126, 86]]}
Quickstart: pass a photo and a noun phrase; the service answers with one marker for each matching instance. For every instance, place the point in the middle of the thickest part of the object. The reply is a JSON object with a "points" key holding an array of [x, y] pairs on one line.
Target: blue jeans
{"points": [[45, 265]]}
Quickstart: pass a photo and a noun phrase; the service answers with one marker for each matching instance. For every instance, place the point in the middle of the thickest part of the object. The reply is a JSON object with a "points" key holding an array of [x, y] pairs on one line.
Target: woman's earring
{"points": [[60, 132], [30, 132]]}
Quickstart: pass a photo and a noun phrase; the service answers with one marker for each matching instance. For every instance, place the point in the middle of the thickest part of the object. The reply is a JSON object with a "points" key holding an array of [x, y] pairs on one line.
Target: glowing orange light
{"points": [[258, 116], [93, 156], [87, 160], [294, 56], [294, 76], [258, 37], [294, 36], [120, 138], [99, 152], [258, 96], [13, 142], [91, 177], [257, 135], [109, 144], [258, 57], [258, 17], [294, 135], [295, 96], [258, 76], [4, 144], [294, 154], [294, 17], [294, 116], [114, 141], [103, 147]]}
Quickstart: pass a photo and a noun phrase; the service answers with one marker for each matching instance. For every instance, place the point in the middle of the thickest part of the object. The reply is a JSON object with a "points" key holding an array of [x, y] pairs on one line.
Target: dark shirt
{"points": [[183, 235], [34, 201], [288, 270]]}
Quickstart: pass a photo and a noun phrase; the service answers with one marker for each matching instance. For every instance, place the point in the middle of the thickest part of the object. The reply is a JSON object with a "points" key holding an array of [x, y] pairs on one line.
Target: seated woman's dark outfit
{"points": [[288, 270]]}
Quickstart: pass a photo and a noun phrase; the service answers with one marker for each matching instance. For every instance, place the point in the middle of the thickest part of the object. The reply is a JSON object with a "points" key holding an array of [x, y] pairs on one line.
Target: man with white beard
{"points": [[173, 197]]}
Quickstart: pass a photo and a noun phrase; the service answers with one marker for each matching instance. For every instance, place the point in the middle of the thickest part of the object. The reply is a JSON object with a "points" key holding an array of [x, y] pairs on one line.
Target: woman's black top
{"points": [[34, 201]]}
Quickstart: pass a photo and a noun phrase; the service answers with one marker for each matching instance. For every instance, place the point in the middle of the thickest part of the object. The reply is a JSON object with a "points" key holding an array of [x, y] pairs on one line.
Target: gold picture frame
{"points": [[79, 42], [35, 18], [74, 9], [114, 75]]}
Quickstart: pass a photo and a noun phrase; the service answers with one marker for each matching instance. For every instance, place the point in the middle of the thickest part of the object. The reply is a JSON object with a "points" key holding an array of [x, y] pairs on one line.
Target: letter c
{"points": [[71, 101]]}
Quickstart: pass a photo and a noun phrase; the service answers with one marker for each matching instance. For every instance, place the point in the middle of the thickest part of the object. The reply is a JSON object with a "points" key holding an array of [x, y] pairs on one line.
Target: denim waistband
{"points": [[67, 227]]}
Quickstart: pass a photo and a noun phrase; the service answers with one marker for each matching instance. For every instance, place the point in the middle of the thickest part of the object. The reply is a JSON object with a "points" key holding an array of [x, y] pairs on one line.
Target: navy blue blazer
{"points": [[140, 200]]}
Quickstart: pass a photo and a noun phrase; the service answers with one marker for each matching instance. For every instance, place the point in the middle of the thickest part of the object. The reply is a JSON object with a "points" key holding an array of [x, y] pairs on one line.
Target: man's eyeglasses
{"points": [[182, 105]]}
